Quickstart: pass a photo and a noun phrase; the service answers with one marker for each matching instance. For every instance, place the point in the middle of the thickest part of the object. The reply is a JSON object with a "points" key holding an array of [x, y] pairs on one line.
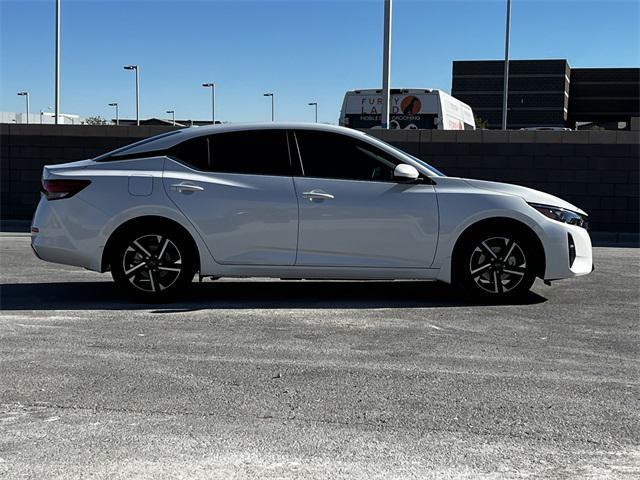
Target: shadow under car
{"points": [[245, 294]]}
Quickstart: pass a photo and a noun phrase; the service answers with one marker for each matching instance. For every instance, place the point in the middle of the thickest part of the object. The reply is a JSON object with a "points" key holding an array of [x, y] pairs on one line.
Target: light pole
{"points": [[314, 104], [386, 63], [137, 69], [115, 104], [173, 116], [26, 95], [213, 100], [273, 113], [57, 81], [505, 89]]}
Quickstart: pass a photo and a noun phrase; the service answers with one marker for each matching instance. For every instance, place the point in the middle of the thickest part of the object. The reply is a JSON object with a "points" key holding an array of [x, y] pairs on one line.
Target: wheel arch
{"points": [[147, 220], [506, 223]]}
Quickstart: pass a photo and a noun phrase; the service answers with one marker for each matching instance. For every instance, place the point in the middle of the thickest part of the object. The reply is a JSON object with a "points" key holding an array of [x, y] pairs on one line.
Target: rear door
{"points": [[353, 213], [236, 188]]}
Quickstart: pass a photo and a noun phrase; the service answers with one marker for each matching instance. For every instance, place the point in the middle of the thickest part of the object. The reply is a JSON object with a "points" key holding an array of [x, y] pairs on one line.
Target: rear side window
{"points": [[257, 152], [330, 155], [194, 152]]}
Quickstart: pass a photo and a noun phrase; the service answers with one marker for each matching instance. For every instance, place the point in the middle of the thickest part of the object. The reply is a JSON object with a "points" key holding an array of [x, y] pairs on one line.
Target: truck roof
{"points": [[394, 91]]}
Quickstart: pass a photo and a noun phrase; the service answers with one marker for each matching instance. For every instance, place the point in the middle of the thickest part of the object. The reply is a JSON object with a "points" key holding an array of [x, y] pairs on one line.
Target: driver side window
{"points": [[330, 155]]}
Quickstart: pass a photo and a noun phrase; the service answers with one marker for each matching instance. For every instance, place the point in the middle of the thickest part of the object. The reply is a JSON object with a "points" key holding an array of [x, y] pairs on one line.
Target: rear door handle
{"points": [[186, 187], [317, 195]]}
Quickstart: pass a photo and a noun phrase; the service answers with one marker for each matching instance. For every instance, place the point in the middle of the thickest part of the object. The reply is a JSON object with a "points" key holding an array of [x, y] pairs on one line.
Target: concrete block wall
{"points": [[25, 149], [596, 170]]}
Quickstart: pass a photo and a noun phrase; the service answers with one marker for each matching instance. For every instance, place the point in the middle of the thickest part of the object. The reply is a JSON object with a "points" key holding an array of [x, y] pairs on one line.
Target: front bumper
{"points": [[561, 261]]}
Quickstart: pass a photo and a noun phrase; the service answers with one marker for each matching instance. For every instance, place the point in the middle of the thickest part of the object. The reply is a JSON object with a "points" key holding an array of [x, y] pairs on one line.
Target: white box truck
{"points": [[410, 108]]}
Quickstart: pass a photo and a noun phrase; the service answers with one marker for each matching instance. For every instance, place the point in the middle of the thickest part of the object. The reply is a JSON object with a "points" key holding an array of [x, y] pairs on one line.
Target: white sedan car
{"points": [[302, 201]]}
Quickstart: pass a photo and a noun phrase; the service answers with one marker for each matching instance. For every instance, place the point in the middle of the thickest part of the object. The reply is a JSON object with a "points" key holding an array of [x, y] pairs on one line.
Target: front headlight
{"points": [[561, 215]]}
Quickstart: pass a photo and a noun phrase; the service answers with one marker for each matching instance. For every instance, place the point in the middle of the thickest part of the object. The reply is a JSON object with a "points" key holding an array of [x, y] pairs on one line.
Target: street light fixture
{"points": [[115, 104], [173, 116], [315, 104], [137, 69], [26, 95], [273, 114], [213, 100]]}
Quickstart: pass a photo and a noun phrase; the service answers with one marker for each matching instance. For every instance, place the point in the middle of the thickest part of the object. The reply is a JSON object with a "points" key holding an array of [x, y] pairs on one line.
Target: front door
{"points": [[353, 213], [236, 189]]}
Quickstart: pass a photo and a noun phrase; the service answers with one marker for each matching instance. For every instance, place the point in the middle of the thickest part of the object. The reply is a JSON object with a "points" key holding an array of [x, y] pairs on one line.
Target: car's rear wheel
{"points": [[152, 263], [496, 265]]}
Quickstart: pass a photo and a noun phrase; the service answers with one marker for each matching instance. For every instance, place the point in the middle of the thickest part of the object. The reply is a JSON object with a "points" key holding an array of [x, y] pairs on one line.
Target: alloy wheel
{"points": [[498, 265], [152, 263]]}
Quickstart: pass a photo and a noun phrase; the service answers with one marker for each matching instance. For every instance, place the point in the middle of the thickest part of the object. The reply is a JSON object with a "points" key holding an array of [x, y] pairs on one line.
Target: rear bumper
{"points": [[35, 252], [68, 232]]}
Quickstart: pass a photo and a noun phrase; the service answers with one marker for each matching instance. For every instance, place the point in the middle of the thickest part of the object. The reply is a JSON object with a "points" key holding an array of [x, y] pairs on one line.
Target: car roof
{"points": [[236, 127], [172, 138]]}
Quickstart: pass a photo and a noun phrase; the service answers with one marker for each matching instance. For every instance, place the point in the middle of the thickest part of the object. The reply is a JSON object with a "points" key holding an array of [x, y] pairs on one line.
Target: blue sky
{"points": [[304, 50]]}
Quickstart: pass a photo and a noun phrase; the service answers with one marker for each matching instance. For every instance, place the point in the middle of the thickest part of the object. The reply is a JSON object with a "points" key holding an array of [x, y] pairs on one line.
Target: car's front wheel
{"points": [[152, 263], [496, 265]]}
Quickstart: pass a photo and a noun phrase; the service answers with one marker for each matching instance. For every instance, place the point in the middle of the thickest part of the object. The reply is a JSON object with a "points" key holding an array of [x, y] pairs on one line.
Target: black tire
{"points": [[495, 265], [152, 263]]}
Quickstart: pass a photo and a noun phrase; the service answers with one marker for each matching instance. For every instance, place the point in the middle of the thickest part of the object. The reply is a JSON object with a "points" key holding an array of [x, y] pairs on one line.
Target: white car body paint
{"points": [[254, 225]]}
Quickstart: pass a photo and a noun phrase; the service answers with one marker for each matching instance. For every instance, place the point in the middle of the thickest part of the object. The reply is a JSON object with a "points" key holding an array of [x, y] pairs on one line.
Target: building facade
{"points": [[548, 93]]}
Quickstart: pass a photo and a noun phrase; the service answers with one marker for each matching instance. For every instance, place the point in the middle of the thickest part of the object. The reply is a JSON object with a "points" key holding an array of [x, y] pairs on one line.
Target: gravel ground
{"points": [[271, 379]]}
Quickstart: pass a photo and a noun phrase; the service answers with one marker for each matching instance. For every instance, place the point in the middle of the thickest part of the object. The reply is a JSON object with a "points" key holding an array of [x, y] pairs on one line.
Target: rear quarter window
{"points": [[143, 148], [193, 152]]}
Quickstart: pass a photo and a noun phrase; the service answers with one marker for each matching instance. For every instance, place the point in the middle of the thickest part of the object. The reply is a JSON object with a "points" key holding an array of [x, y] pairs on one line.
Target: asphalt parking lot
{"points": [[271, 379]]}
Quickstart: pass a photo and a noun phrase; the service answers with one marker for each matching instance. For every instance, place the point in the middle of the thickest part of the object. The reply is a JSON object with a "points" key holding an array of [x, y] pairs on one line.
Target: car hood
{"points": [[528, 194]]}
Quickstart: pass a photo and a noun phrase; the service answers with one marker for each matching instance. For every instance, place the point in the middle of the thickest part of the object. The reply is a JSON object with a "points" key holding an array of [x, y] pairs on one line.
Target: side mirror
{"points": [[406, 172]]}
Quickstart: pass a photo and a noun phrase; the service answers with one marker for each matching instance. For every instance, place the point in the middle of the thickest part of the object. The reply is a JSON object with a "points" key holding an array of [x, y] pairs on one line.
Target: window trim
{"points": [[136, 156], [298, 171]]}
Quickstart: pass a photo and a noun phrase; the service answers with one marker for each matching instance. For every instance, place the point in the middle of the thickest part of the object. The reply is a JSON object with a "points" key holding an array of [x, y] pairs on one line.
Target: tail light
{"points": [[57, 189]]}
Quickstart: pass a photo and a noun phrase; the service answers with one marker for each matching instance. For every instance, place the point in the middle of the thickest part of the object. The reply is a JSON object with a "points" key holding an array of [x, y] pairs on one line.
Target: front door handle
{"points": [[317, 195], [186, 187]]}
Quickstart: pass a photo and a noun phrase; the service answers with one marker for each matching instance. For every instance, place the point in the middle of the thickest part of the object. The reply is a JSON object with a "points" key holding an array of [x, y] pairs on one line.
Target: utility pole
{"points": [[386, 64], [505, 89], [57, 81]]}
